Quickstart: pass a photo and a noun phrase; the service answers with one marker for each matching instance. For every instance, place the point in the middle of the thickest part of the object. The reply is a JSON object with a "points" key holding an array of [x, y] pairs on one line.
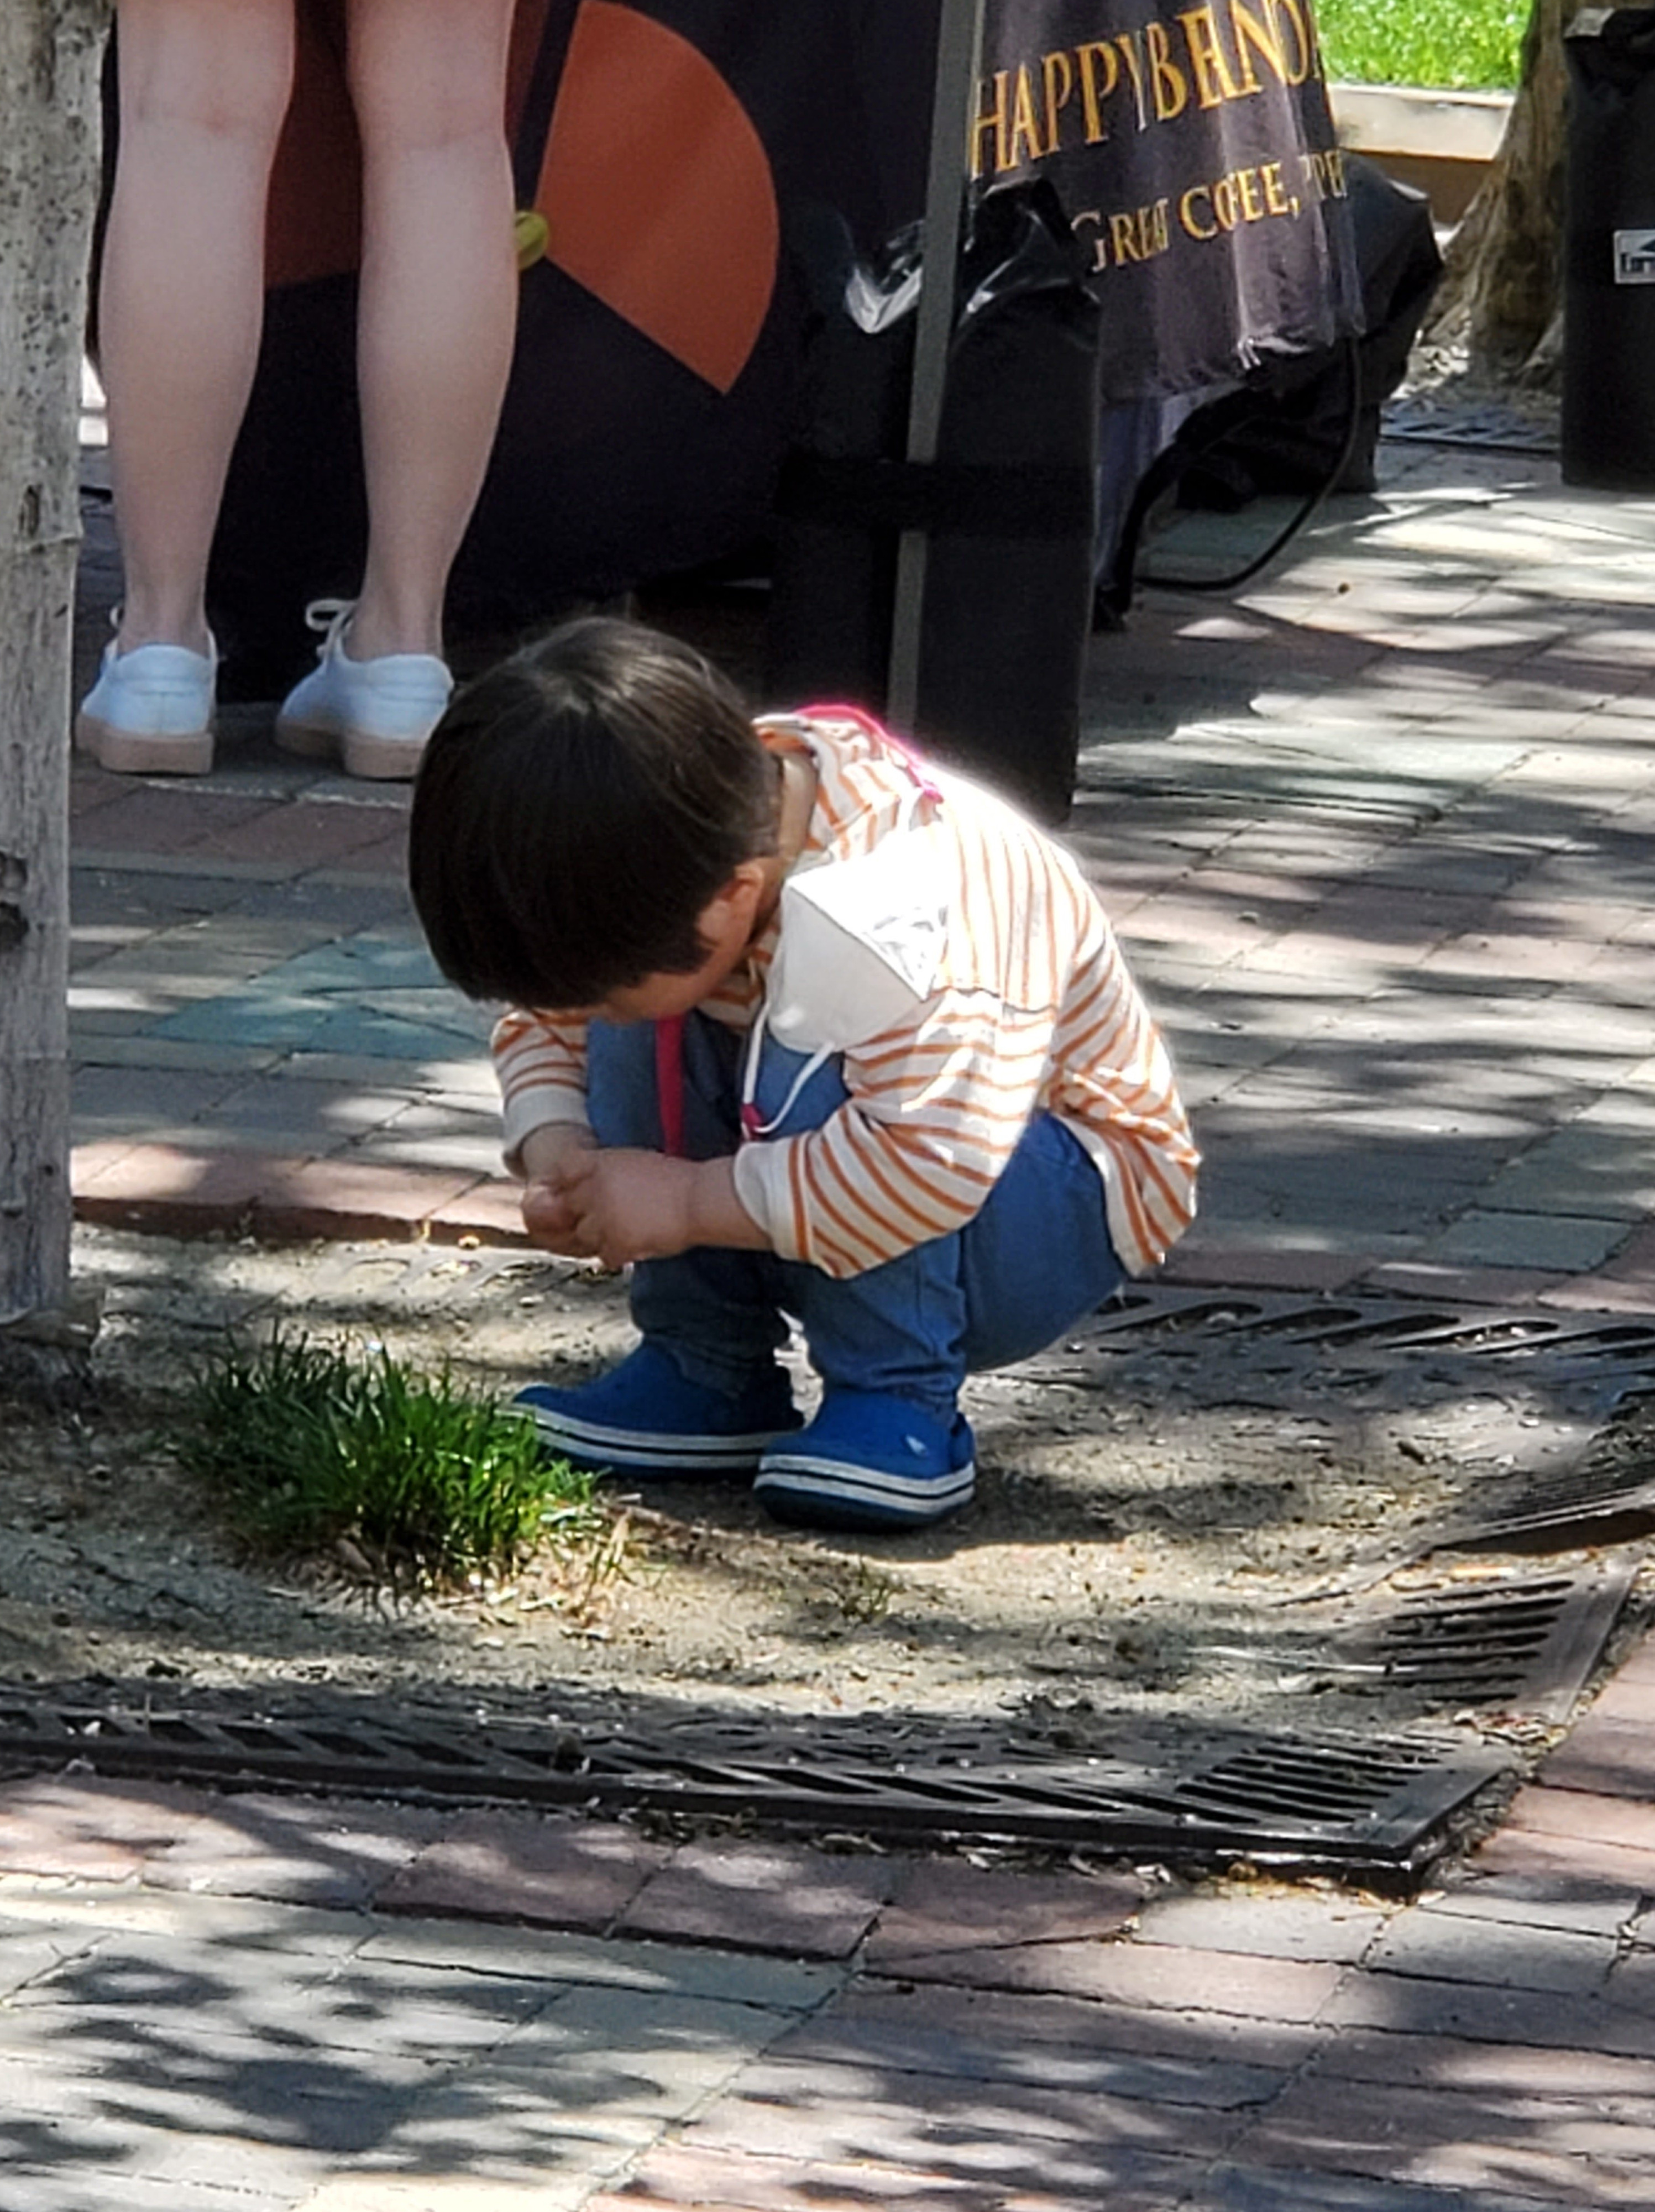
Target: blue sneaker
{"points": [[646, 1417], [868, 1462]]}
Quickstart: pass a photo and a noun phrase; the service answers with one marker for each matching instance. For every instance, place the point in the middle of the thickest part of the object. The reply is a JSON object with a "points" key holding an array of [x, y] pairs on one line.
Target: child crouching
{"points": [[803, 1027]]}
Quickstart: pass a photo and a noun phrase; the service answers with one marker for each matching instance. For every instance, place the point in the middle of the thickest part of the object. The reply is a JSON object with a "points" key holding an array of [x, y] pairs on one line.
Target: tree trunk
{"points": [[48, 52], [1501, 297]]}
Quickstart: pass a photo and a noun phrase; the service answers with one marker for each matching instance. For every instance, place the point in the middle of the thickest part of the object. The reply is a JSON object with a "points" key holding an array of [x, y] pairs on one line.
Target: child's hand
{"points": [[548, 1153], [550, 1220], [626, 1204]]}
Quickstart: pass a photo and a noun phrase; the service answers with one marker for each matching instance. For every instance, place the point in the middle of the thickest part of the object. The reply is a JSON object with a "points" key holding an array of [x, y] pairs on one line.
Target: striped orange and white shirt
{"points": [[956, 961]]}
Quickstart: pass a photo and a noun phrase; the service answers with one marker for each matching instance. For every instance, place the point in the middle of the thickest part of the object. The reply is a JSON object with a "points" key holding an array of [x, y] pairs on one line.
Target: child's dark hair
{"points": [[577, 808]]}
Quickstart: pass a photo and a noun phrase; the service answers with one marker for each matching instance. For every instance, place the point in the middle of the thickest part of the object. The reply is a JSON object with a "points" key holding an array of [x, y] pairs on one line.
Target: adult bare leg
{"points": [[205, 85], [439, 295]]}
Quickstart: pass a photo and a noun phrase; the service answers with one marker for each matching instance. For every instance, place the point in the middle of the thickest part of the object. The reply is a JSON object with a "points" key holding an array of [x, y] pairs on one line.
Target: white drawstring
{"points": [[752, 1124]]}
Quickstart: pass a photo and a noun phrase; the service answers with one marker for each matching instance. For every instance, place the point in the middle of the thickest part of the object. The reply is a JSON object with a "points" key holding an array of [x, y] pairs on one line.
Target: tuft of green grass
{"points": [[311, 1452], [1459, 45]]}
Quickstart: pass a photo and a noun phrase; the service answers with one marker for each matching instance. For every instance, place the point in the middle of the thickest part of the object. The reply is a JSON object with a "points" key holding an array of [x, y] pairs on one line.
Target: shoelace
{"points": [[329, 619]]}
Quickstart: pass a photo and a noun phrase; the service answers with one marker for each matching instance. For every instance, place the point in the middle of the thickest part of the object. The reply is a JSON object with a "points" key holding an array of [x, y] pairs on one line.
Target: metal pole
{"points": [[954, 111]]}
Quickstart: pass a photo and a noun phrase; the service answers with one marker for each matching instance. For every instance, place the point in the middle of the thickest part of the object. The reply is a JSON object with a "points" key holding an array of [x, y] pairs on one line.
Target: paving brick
{"points": [[165, 1187], [628, 2051], [1485, 1237], [1570, 1862], [504, 1866], [1531, 1900], [1463, 1286], [1610, 1289], [779, 1898], [143, 895], [490, 1211], [1286, 1924], [105, 1829], [118, 1100], [78, 2186], [1143, 1973], [1474, 2142], [490, 2127], [1632, 1264], [1629, 1694], [472, 1151], [1579, 1813], [239, 1061], [157, 2079], [1411, 2005], [295, 1848], [229, 2166], [307, 832], [1045, 2029], [1616, 2087], [86, 1912], [762, 1983], [1639, 1665], [323, 1114], [1017, 2139], [1249, 2188], [676, 2176], [341, 1198], [1632, 1981], [149, 818], [28, 1953], [387, 856], [391, 2009], [87, 1162], [1254, 1268], [1444, 1948], [1605, 1757], [445, 2192], [1098, 2055], [946, 1904]]}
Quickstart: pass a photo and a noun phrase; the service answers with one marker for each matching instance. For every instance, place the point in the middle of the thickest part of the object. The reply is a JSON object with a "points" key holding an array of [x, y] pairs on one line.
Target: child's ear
{"points": [[733, 906], [743, 887]]}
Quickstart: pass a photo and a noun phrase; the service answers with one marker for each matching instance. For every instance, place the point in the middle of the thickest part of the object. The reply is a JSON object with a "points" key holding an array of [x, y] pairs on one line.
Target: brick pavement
{"points": [[1377, 833], [294, 2006]]}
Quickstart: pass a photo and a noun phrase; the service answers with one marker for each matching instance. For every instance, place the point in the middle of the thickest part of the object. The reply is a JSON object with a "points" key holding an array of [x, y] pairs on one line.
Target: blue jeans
{"points": [[1035, 1258]]}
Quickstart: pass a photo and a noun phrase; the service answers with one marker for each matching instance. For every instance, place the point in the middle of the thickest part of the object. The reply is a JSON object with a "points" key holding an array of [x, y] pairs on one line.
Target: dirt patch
{"points": [[1173, 1523]]}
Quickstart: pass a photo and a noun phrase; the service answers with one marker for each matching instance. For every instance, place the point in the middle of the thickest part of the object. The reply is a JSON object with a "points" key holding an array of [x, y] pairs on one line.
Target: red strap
{"points": [[669, 1084]]}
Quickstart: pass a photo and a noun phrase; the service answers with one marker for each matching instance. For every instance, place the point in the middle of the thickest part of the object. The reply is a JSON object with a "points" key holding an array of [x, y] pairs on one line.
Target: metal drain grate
{"points": [[1168, 1320], [1589, 1506], [1372, 1807], [1525, 1642], [1522, 1397]]}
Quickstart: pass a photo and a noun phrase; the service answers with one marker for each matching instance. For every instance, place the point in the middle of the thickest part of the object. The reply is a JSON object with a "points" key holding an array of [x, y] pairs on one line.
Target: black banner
{"points": [[1194, 153]]}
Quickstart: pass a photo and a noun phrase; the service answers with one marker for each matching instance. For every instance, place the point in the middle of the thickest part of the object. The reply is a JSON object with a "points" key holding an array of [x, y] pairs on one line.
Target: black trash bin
{"points": [[1609, 297]]}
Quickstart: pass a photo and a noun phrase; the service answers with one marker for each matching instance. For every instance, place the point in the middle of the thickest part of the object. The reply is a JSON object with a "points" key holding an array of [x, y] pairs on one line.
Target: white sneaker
{"points": [[374, 714], [150, 712]]}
